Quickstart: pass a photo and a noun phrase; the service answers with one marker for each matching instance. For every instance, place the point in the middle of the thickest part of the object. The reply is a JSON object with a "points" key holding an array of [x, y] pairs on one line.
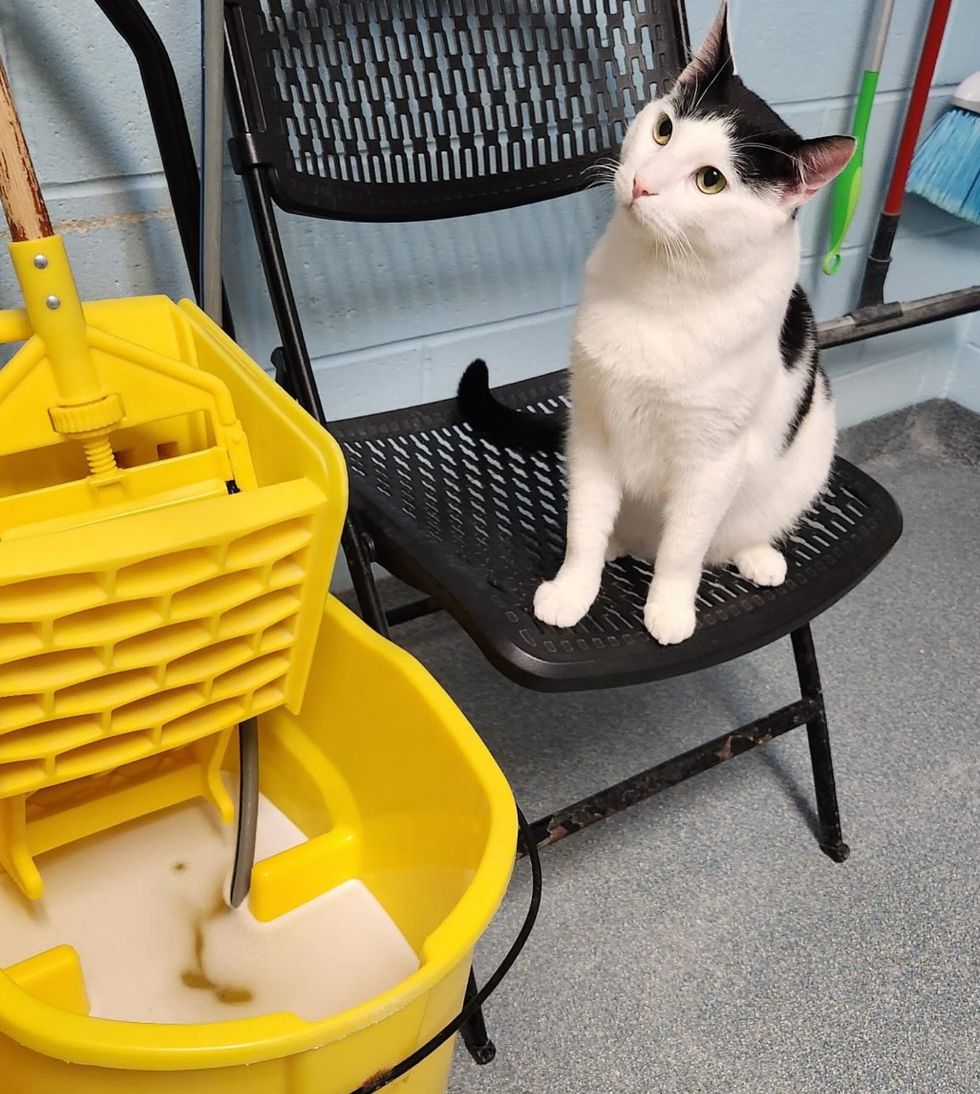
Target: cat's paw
{"points": [[762, 565], [564, 601], [669, 620]]}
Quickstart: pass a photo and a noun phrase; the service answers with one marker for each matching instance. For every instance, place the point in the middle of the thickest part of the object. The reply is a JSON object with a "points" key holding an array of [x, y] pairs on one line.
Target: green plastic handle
{"points": [[847, 188]]}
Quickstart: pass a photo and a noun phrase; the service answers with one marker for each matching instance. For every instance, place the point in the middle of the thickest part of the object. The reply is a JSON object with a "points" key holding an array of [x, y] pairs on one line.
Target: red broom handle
{"points": [[872, 292], [917, 105]]}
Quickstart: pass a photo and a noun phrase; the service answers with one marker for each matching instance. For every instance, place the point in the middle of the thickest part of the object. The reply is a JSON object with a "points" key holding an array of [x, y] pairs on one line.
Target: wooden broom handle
{"points": [[20, 192]]}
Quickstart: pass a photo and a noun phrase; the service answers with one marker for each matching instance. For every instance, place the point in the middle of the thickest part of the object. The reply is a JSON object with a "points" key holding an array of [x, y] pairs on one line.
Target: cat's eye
{"points": [[710, 180], [662, 129]]}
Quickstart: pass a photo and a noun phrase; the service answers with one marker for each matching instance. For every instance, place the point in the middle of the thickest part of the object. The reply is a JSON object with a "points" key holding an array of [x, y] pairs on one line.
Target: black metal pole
{"points": [[872, 291], [416, 609], [880, 319], [636, 788], [169, 120]]}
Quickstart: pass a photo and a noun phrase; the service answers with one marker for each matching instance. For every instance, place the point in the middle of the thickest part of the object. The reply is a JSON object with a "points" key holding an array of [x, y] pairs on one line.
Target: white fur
{"points": [[680, 400]]}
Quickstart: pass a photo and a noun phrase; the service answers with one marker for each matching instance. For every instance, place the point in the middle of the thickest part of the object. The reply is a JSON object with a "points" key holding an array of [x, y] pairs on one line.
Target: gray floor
{"points": [[700, 941]]}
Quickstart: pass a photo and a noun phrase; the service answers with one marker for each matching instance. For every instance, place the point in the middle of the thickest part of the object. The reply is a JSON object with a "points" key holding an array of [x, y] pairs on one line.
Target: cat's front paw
{"points": [[669, 620], [564, 601], [762, 565]]}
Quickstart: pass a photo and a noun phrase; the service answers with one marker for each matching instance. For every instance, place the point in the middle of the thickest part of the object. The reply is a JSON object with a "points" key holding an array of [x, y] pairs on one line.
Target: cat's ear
{"points": [[714, 55], [818, 161]]}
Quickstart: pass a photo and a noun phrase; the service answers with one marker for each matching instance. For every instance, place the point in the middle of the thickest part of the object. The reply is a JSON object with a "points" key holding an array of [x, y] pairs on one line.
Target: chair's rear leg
{"points": [[474, 1029], [828, 814]]}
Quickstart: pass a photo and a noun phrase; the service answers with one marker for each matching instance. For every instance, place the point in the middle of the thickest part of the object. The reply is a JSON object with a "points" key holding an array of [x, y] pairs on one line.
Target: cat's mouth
{"points": [[659, 226], [644, 211]]}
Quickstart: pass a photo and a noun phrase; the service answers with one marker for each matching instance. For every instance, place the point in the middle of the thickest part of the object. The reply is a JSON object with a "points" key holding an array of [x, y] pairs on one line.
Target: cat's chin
{"points": [[641, 220], [645, 225]]}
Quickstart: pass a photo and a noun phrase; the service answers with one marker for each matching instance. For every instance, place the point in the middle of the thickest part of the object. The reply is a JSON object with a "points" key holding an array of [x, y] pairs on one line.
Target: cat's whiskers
{"points": [[720, 69], [766, 148], [697, 81], [692, 261], [676, 248], [602, 172], [689, 259]]}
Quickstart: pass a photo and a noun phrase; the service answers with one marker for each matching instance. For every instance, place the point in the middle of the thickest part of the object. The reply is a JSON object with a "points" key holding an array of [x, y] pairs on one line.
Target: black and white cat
{"points": [[701, 425]]}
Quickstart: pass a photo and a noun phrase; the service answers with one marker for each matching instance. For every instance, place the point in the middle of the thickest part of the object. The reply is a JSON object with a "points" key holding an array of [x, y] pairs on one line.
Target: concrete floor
{"points": [[700, 941]]}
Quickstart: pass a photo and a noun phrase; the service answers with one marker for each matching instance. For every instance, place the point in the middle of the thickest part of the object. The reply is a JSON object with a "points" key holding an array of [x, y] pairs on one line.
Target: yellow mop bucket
{"points": [[168, 520], [392, 787]]}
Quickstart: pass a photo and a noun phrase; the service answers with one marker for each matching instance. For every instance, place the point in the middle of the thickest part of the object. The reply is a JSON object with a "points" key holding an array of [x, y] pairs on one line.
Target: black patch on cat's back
{"points": [[798, 349], [797, 330], [805, 401]]}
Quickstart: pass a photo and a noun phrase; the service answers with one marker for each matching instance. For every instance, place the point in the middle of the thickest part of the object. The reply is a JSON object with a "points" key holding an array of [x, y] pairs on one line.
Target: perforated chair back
{"points": [[420, 109]]}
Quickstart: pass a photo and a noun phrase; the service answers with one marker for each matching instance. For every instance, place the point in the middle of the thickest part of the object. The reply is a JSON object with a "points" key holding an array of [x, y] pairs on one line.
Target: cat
{"points": [[701, 424]]}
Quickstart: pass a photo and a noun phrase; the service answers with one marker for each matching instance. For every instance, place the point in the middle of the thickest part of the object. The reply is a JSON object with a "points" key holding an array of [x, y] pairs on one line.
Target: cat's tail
{"points": [[502, 424]]}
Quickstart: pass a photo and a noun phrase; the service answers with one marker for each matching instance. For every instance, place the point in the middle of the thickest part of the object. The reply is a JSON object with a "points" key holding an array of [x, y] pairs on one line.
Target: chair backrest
{"points": [[418, 109]]}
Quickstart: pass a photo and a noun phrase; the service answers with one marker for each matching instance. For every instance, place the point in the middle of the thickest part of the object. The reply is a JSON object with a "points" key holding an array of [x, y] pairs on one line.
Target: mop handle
{"points": [[847, 187], [20, 192], [84, 409]]}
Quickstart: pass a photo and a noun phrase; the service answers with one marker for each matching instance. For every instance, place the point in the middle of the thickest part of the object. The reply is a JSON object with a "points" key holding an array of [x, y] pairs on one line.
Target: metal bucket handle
{"points": [[377, 1082]]}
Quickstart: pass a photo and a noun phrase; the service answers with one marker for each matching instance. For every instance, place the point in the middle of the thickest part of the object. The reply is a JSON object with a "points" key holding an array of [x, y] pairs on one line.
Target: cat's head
{"points": [[710, 166]]}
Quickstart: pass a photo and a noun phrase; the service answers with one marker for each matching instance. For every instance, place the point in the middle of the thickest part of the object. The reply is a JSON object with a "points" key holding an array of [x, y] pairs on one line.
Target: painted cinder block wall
{"points": [[394, 312]]}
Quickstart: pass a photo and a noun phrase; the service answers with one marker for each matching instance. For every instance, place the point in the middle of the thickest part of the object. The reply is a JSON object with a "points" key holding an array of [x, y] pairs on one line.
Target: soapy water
{"points": [[196, 977], [144, 907]]}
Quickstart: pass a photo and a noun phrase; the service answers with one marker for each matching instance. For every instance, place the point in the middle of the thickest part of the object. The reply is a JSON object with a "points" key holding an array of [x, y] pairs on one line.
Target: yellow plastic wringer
{"points": [[168, 522], [153, 593]]}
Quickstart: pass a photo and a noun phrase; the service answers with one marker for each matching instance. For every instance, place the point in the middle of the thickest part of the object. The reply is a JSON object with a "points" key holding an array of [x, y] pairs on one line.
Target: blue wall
{"points": [[393, 312]]}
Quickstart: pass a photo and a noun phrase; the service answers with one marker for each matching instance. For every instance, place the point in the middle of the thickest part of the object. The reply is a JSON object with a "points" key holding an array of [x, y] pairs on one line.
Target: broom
{"points": [[946, 167]]}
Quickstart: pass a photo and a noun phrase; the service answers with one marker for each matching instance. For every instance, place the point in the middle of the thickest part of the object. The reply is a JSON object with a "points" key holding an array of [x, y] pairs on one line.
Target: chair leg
{"points": [[365, 587], [474, 1029], [828, 815]]}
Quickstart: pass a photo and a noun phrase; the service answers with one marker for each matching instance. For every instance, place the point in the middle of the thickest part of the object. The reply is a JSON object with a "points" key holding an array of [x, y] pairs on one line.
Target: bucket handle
{"points": [[377, 1082]]}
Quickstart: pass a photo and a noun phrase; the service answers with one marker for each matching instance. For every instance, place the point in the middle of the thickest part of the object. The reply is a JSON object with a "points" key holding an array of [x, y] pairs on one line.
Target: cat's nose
{"points": [[640, 191]]}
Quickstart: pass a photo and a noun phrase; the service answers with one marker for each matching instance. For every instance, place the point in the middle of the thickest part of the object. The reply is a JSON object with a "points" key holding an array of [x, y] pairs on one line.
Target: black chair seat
{"points": [[478, 527]]}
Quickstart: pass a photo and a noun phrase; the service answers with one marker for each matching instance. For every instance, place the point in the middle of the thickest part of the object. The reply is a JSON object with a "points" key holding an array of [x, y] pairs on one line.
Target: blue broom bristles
{"points": [[946, 167]]}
